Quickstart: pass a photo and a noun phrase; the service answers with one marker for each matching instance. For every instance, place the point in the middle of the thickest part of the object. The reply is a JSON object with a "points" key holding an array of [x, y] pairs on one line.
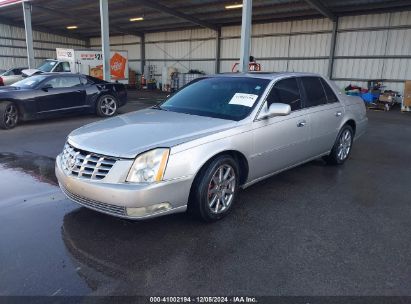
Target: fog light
{"points": [[142, 211]]}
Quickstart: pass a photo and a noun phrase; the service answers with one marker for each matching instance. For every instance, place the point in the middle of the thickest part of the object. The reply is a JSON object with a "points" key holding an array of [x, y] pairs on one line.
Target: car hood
{"points": [[130, 134], [30, 72], [9, 88]]}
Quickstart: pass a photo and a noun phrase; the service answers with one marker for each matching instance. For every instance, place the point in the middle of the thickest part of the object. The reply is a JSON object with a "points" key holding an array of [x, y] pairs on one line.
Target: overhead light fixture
{"points": [[136, 19], [72, 27], [233, 6]]}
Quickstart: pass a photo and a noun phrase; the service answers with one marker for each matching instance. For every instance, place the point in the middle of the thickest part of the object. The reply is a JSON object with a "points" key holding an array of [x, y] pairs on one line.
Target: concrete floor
{"points": [[314, 230]]}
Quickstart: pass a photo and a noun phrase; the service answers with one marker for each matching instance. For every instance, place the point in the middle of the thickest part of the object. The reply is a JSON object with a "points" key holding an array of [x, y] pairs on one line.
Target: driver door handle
{"points": [[301, 123]]}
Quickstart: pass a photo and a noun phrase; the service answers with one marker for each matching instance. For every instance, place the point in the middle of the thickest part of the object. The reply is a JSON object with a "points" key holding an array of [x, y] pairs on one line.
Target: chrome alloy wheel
{"points": [[344, 145], [108, 106], [221, 189], [10, 115]]}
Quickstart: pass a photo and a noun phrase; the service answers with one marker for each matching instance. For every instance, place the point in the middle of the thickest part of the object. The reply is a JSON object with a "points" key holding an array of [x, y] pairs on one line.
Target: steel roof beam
{"points": [[317, 4], [159, 7]]}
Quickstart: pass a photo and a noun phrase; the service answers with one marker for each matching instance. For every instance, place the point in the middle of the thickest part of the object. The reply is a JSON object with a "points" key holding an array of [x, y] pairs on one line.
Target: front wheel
{"points": [[342, 147], [106, 106], [9, 115], [215, 189]]}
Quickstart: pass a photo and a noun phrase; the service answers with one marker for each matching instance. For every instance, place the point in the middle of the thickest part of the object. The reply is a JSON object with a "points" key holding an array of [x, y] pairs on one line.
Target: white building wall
{"points": [[13, 46], [186, 50], [375, 47], [302, 46]]}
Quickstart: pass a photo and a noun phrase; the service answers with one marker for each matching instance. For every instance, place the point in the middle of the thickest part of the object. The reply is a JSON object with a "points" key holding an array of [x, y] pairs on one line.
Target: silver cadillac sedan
{"points": [[195, 150]]}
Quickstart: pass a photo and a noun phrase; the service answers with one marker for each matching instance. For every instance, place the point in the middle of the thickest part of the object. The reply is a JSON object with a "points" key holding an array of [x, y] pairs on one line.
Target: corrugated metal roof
{"points": [[163, 15]]}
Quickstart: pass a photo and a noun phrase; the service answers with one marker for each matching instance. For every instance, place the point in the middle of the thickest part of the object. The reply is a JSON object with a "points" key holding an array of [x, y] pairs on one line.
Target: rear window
{"points": [[315, 94], [94, 80]]}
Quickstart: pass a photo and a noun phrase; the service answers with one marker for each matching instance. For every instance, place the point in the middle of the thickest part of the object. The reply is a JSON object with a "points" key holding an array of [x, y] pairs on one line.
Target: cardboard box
{"points": [[407, 93], [386, 97]]}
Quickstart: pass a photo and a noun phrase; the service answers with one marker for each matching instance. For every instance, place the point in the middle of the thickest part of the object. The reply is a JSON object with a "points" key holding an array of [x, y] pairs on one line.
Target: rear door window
{"points": [[286, 91], [331, 97], [314, 92], [70, 81]]}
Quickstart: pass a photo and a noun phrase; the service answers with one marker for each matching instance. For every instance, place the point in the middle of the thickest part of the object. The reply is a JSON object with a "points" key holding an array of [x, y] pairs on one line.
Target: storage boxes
{"points": [[407, 94]]}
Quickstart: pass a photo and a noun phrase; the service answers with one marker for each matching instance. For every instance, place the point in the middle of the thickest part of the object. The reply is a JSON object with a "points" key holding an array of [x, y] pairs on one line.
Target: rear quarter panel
{"points": [[120, 92], [355, 110], [94, 92]]}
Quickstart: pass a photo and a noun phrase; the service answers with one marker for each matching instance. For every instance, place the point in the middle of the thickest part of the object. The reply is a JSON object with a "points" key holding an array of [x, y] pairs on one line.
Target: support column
{"points": [[217, 50], [105, 38], [332, 48], [245, 35], [143, 52], [29, 33]]}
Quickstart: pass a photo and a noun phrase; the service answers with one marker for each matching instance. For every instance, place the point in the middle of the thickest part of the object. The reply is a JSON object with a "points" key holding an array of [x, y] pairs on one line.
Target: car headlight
{"points": [[149, 167]]}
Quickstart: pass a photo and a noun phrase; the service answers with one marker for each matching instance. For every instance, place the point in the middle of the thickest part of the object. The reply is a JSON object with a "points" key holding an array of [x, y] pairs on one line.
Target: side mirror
{"points": [[47, 87], [277, 109]]}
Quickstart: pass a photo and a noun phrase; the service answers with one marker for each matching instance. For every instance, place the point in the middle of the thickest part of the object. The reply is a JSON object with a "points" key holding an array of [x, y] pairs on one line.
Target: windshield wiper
{"points": [[157, 107]]}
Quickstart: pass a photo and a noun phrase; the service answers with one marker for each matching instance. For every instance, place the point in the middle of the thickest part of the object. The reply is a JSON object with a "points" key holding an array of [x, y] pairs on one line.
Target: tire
{"points": [[342, 147], [212, 197], [106, 106], [9, 115]]}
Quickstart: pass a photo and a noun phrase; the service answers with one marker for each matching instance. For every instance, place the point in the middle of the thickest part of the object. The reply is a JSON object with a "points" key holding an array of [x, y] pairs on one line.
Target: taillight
{"points": [[1, 82]]}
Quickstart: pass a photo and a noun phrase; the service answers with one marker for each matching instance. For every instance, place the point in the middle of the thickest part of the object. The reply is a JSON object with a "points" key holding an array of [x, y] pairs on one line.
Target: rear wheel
{"points": [[342, 147], [215, 189], [9, 115], [107, 106]]}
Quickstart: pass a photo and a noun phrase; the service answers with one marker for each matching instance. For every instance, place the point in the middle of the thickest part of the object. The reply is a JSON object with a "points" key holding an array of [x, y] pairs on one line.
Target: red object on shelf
{"points": [[252, 66], [255, 67]]}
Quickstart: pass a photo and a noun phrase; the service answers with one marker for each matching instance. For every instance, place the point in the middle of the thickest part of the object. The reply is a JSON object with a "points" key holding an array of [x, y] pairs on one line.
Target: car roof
{"points": [[265, 75], [60, 74]]}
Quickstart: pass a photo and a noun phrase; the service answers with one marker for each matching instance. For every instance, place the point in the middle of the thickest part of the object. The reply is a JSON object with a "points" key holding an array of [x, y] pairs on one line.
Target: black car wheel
{"points": [[342, 147], [107, 106], [9, 115], [215, 189]]}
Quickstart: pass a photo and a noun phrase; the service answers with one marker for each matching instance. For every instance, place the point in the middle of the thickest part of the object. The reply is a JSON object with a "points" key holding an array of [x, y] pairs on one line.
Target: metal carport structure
{"points": [[160, 15]]}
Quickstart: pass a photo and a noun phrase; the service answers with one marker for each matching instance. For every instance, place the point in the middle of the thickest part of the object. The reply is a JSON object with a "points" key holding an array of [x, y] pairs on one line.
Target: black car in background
{"points": [[53, 94]]}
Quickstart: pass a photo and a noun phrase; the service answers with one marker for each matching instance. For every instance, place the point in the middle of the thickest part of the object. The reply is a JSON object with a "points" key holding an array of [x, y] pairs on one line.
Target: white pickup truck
{"points": [[49, 65]]}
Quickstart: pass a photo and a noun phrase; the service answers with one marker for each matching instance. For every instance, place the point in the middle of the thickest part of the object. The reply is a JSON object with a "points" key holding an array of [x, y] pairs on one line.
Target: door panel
{"points": [[325, 113], [279, 142], [59, 99], [66, 93], [325, 121]]}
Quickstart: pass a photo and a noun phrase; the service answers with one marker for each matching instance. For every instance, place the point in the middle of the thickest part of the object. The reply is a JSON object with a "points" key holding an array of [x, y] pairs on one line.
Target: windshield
{"points": [[47, 65], [7, 73], [219, 97], [30, 82]]}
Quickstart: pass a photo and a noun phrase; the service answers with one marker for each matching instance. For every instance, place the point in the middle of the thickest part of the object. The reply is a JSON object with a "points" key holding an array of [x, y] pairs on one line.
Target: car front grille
{"points": [[95, 205], [85, 164]]}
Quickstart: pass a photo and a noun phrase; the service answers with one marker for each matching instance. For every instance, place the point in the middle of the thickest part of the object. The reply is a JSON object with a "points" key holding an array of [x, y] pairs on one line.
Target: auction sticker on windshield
{"points": [[243, 99]]}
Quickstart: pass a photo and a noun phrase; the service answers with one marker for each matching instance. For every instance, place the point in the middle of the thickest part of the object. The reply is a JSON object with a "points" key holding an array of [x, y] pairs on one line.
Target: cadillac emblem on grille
{"points": [[85, 164], [72, 161]]}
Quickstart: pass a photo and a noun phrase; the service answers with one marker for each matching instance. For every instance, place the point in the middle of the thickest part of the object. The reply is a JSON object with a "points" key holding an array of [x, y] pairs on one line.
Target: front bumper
{"points": [[116, 197]]}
